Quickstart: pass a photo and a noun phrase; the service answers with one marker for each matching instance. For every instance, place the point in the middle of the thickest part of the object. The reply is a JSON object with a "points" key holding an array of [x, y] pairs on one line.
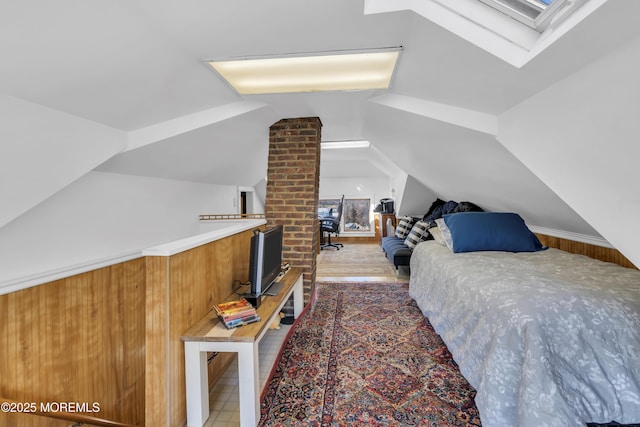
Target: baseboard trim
{"points": [[576, 237], [354, 239]]}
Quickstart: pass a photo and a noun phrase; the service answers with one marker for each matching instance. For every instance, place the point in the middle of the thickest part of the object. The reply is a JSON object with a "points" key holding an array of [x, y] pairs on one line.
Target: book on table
{"points": [[236, 313], [231, 306], [230, 324]]}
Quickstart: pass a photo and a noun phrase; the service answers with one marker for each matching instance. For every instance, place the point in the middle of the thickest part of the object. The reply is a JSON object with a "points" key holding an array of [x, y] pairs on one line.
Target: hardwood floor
{"points": [[358, 262]]}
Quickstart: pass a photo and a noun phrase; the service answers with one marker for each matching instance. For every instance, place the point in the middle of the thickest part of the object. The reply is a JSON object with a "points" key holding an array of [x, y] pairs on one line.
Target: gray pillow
{"points": [[404, 227], [419, 233]]}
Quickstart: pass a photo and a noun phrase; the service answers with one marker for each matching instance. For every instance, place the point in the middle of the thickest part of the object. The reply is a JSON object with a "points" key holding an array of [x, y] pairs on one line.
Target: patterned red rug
{"points": [[363, 354]]}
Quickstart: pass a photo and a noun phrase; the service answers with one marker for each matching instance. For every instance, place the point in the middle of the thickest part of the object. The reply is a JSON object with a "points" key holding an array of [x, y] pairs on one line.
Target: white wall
{"points": [[581, 137], [416, 200], [255, 205], [461, 164], [398, 186], [375, 187], [104, 215], [260, 196], [44, 150]]}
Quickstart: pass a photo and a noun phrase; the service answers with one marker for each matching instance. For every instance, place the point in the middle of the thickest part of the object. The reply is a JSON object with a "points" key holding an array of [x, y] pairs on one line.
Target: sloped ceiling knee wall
{"points": [[580, 137], [45, 151]]}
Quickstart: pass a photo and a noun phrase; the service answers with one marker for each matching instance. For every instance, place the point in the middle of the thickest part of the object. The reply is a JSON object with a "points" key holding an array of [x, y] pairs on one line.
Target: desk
{"points": [[381, 222], [209, 335]]}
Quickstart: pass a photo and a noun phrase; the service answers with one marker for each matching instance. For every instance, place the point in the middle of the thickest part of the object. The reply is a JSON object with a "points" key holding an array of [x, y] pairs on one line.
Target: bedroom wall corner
{"points": [[416, 198], [104, 215], [579, 137], [44, 150]]}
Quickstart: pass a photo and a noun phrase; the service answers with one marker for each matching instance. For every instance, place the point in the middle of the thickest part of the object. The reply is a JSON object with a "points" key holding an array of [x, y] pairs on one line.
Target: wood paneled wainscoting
{"points": [[79, 339], [112, 336], [597, 252]]}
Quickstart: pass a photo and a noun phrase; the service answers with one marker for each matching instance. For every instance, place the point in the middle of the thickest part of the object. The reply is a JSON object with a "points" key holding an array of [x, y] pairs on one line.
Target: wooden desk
{"points": [[210, 335], [381, 222]]}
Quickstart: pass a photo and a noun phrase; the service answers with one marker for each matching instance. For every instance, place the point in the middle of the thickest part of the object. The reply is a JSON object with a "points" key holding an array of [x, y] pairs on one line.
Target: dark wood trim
{"points": [[592, 251], [341, 238]]}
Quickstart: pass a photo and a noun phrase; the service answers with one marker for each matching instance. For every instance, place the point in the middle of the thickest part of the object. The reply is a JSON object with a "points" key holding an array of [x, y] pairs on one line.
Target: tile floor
{"points": [[224, 400]]}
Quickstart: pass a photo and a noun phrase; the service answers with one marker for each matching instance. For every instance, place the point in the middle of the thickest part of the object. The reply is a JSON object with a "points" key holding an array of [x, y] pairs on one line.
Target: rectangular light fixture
{"points": [[327, 71], [334, 145]]}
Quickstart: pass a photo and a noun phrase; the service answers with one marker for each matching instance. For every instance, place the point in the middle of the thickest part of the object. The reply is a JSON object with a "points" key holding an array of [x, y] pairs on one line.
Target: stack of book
{"points": [[236, 313]]}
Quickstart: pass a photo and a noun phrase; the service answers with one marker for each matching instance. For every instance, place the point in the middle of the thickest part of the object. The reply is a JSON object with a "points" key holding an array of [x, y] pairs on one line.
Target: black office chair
{"points": [[331, 225]]}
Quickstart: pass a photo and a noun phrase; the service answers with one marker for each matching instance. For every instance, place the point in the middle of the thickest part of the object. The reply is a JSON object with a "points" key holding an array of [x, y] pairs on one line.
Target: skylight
{"points": [[537, 14], [497, 26], [329, 71]]}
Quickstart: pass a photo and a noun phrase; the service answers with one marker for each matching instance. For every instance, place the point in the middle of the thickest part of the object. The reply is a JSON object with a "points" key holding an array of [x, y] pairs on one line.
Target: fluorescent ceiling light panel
{"points": [[368, 70], [331, 145]]}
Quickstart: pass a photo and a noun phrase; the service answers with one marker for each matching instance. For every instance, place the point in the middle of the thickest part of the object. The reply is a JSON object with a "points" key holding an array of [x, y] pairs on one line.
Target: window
{"points": [[537, 14], [328, 207], [357, 215]]}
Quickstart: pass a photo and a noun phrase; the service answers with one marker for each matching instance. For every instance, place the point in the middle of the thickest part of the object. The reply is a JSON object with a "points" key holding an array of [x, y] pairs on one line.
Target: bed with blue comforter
{"points": [[546, 338]]}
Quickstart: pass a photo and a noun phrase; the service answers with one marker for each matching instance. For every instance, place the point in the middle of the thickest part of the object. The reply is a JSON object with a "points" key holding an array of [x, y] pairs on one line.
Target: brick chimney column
{"points": [[293, 177]]}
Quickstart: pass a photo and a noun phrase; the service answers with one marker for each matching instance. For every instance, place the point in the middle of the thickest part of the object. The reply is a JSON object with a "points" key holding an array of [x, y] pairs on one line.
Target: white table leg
{"points": [[249, 384], [298, 297], [196, 371], [197, 387]]}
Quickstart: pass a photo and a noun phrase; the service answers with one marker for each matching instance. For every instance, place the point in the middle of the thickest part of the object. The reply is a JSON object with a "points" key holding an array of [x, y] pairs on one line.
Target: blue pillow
{"points": [[491, 231]]}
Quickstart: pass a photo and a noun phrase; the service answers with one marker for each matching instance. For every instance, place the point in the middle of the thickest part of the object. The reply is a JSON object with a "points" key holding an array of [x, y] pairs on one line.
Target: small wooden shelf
{"points": [[381, 223], [210, 328], [218, 217], [210, 335]]}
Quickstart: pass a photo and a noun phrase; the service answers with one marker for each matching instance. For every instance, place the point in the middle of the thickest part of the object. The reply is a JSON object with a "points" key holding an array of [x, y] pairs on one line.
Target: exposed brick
{"points": [[293, 175]]}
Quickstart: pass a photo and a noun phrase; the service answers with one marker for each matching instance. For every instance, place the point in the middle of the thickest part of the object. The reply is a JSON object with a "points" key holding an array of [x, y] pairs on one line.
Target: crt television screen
{"points": [[265, 258]]}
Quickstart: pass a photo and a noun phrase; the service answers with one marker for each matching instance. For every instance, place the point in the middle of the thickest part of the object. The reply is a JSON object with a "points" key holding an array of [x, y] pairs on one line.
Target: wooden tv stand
{"points": [[210, 335]]}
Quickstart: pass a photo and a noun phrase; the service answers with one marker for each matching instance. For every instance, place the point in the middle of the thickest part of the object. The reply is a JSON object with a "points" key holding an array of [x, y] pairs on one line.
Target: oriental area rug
{"points": [[362, 354]]}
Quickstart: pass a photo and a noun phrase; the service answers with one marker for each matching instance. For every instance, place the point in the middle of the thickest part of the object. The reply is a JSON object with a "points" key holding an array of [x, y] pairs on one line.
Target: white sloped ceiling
{"points": [[121, 88]]}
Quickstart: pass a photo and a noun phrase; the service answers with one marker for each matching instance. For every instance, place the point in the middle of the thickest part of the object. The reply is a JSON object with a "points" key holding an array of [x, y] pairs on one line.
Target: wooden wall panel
{"points": [[199, 278], [76, 340], [112, 335], [134, 320], [592, 251], [156, 335], [24, 420]]}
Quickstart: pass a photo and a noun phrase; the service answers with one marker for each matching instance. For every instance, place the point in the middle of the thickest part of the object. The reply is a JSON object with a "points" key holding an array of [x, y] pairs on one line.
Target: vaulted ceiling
{"points": [[131, 75]]}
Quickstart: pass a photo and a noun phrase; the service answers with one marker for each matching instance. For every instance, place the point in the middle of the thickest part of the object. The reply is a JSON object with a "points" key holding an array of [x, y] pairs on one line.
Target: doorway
{"points": [[246, 201]]}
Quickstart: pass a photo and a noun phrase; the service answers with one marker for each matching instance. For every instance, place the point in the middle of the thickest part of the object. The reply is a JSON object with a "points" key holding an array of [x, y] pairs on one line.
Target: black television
{"points": [[265, 259]]}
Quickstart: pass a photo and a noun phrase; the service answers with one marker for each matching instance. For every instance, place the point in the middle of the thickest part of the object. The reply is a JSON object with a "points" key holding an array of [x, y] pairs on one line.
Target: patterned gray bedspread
{"points": [[545, 338]]}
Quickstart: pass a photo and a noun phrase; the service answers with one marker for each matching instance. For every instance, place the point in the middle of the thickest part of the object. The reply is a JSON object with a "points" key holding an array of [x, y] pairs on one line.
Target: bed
{"points": [[545, 337]]}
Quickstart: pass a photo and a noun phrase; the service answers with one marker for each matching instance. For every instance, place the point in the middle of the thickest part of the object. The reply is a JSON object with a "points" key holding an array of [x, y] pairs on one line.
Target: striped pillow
{"points": [[419, 233], [404, 227]]}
